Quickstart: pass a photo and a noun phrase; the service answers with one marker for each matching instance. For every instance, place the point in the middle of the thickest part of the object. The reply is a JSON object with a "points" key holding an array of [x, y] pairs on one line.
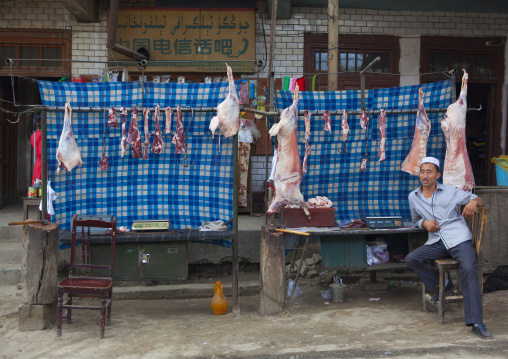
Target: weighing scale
{"points": [[150, 225], [383, 222]]}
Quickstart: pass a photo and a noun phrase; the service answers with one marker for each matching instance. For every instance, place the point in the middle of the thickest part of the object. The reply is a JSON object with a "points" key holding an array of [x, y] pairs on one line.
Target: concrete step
{"points": [[10, 234], [10, 253], [10, 273], [181, 291]]}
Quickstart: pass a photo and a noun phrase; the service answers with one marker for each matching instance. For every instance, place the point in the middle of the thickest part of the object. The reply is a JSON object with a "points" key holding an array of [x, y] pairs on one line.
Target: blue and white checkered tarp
{"points": [[137, 189], [383, 188]]}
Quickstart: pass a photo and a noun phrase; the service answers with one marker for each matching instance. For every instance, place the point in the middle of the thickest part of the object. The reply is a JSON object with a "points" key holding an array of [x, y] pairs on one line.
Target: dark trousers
{"points": [[420, 261]]}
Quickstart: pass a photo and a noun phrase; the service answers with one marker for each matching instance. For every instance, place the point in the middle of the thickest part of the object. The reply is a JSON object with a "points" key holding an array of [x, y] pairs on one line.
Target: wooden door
{"points": [[8, 146]]}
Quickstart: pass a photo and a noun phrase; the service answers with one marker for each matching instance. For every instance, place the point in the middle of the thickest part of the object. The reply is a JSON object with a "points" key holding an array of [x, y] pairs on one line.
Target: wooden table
{"points": [[347, 248], [29, 202]]}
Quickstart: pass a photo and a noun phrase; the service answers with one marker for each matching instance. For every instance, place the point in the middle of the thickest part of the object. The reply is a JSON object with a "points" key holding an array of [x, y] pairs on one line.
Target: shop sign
{"points": [[189, 39]]}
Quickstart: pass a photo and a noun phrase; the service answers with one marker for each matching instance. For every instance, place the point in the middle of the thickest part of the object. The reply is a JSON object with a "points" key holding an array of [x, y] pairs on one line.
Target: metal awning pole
{"points": [[271, 89], [44, 164], [234, 245], [362, 79]]}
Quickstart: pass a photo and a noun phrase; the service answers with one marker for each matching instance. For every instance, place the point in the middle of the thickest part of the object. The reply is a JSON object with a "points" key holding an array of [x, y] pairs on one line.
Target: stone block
{"points": [[36, 316], [310, 261], [316, 257], [312, 274]]}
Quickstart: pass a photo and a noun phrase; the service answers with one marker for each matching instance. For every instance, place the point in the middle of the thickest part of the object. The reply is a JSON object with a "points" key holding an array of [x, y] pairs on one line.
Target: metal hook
{"points": [[186, 143], [344, 148]]}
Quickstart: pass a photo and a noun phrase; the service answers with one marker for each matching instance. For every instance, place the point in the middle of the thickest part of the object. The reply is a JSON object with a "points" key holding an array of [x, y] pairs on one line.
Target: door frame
{"points": [[474, 45]]}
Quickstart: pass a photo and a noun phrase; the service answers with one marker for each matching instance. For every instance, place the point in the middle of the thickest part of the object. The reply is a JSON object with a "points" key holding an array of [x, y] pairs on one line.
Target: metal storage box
{"points": [[145, 261], [320, 217]]}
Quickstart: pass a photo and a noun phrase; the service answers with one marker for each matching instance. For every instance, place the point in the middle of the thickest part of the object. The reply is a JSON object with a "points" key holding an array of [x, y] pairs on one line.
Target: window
{"points": [[38, 52], [356, 52]]}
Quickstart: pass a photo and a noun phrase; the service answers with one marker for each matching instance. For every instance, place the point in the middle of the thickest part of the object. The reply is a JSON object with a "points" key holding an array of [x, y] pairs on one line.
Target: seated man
{"points": [[434, 208]]}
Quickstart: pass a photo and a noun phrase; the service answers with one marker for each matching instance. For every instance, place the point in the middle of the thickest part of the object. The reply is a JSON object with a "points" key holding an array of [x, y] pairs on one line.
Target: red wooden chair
{"points": [[83, 280]]}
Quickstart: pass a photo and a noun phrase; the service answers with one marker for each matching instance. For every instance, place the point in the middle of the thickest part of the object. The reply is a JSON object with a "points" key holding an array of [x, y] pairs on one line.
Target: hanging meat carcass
{"points": [[158, 143], [228, 111], [328, 122], [381, 125], [137, 152], [123, 142], [112, 122], [419, 148], [133, 127], [345, 126], [103, 163], [244, 93], [169, 113], [179, 137], [146, 114], [457, 167], [68, 154], [306, 116], [288, 170], [364, 120], [363, 165]]}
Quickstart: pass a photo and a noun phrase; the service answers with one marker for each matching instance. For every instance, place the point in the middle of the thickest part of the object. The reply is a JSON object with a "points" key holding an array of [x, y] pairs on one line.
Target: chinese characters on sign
{"points": [[195, 36]]}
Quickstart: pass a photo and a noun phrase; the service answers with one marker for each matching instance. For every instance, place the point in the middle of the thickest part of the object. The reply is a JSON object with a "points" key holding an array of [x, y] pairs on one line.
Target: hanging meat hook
{"points": [[186, 142]]}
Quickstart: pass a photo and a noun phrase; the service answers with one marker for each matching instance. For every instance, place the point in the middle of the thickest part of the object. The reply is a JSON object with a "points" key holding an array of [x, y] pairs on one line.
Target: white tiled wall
{"points": [[88, 39], [258, 172], [288, 52]]}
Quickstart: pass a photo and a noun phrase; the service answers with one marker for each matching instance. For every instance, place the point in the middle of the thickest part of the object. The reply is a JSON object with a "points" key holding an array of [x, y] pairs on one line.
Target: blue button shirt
{"points": [[442, 208]]}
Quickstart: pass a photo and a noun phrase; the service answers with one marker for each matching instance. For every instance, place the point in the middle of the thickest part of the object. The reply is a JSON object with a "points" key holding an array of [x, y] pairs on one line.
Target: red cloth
{"points": [[38, 164], [301, 83]]}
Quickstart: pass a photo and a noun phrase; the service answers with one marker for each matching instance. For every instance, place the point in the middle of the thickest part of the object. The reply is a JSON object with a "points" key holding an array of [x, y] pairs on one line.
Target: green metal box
{"points": [[343, 252], [145, 261]]}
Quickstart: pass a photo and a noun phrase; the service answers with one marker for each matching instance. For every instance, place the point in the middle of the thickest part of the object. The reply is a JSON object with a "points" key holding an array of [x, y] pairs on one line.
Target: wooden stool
{"points": [[29, 202], [443, 266]]}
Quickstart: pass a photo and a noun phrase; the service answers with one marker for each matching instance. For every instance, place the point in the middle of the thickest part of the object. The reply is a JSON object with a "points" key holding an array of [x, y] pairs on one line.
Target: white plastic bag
{"points": [[298, 291]]}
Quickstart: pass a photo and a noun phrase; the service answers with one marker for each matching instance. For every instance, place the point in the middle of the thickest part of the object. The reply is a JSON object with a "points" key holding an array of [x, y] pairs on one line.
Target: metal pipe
{"points": [[44, 164], [454, 88], [234, 245], [131, 62], [362, 79], [271, 90], [114, 5], [250, 110]]}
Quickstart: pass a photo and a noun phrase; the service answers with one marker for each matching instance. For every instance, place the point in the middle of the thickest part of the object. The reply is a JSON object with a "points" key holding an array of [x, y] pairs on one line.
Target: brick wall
{"points": [[289, 32], [88, 39]]}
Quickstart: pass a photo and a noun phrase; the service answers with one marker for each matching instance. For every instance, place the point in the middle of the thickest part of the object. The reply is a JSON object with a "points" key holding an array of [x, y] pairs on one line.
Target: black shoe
{"points": [[482, 331], [449, 287]]}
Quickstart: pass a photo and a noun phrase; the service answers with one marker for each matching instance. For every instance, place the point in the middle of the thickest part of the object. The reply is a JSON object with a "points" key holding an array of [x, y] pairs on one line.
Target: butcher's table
{"points": [[347, 248], [149, 255]]}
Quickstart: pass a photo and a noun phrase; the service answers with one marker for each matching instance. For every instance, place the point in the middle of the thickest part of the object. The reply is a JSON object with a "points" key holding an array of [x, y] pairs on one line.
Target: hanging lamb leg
{"points": [[123, 142], [146, 114], [158, 143], [103, 163]]}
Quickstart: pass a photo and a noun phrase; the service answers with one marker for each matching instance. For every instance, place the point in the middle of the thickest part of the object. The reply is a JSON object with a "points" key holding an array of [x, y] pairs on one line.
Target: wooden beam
{"points": [[83, 10], [272, 271], [283, 9], [333, 45]]}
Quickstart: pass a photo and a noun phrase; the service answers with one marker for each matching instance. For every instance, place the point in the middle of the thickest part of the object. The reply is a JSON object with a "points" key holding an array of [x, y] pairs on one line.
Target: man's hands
{"points": [[471, 206], [430, 226], [469, 209]]}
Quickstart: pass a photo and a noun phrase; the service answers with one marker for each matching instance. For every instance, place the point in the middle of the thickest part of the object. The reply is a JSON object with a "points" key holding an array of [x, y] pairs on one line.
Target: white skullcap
{"points": [[431, 160]]}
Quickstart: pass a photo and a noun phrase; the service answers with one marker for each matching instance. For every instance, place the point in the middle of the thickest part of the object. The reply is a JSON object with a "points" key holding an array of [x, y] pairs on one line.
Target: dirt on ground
{"points": [[375, 324]]}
